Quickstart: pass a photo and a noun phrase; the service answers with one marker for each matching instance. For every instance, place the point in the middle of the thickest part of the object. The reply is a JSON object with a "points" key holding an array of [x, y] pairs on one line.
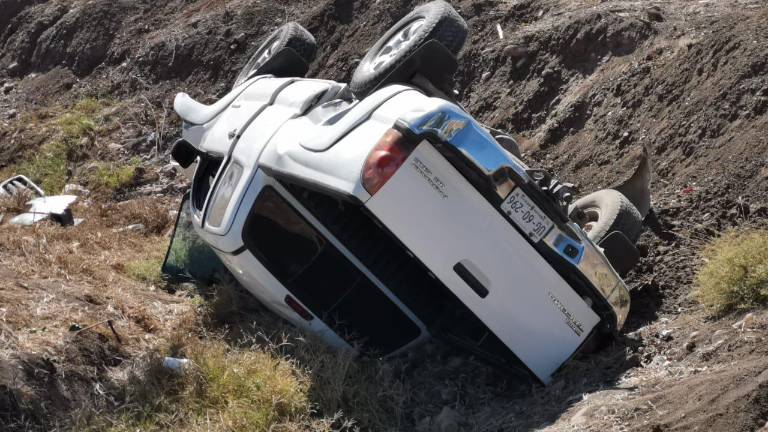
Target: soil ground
{"points": [[590, 84]]}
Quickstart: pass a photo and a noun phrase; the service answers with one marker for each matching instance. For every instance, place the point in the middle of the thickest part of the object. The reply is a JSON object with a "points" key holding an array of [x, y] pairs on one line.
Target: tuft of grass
{"points": [[735, 273], [145, 270], [112, 178], [76, 125], [88, 106], [48, 167]]}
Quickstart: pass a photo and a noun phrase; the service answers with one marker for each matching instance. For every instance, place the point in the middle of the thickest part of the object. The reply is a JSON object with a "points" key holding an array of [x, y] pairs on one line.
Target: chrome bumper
{"points": [[455, 127]]}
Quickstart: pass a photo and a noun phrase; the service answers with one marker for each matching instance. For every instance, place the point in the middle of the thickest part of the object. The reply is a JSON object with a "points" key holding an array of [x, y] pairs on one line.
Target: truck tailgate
{"points": [[484, 261]]}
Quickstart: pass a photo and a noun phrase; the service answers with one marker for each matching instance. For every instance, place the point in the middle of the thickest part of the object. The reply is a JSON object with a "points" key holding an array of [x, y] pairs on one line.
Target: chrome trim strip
{"points": [[457, 128]]}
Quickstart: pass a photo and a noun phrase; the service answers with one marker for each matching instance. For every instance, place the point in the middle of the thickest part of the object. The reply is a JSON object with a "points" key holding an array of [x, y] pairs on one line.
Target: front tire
{"points": [[436, 20], [290, 35]]}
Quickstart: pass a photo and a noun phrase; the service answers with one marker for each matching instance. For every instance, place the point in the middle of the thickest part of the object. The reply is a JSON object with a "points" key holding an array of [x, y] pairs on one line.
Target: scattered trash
{"points": [[499, 31], [133, 228], [175, 364], [41, 206], [665, 335], [19, 184], [56, 207]]}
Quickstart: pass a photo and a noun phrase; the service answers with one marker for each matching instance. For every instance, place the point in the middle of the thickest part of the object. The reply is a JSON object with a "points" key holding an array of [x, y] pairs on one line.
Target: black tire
{"points": [[605, 211], [289, 35], [439, 21]]}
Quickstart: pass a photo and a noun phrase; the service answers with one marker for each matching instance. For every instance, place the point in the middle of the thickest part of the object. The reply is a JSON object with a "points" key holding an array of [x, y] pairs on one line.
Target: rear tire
{"points": [[605, 211], [436, 20], [289, 35]]}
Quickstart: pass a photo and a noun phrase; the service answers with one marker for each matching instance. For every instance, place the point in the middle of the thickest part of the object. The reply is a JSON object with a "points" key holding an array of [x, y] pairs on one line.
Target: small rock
{"points": [[8, 87], [239, 38], [515, 51], [665, 335], [447, 420], [654, 14], [548, 72], [168, 170], [485, 76], [13, 68], [75, 189], [115, 147], [11, 114], [745, 322]]}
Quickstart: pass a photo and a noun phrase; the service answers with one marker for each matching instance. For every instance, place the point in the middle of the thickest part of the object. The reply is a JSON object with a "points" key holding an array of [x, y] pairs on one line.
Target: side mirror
{"points": [[184, 153]]}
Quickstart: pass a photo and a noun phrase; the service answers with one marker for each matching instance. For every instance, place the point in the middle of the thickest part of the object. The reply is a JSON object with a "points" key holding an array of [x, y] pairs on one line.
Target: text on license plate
{"points": [[527, 215]]}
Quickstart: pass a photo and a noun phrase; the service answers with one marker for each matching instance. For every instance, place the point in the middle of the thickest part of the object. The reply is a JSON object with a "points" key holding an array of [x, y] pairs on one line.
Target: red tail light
{"points": [[298, 308], [383, 161]]}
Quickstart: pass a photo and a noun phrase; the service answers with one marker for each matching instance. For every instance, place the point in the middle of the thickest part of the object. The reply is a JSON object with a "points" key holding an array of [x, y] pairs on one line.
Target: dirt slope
{"points": [[586, 85]]}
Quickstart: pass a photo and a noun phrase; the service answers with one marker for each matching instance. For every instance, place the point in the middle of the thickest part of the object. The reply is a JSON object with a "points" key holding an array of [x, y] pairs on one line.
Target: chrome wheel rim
{"points": [[591, 217], [396, 44]]}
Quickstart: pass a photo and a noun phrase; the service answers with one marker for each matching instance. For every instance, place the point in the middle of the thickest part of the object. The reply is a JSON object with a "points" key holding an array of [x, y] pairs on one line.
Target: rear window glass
{"points": [[322, 278]]}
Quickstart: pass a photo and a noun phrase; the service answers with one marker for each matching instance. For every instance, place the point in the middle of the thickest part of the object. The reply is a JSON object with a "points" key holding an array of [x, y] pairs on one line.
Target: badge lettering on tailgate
{"points": [[572, 322], [433, 180]]}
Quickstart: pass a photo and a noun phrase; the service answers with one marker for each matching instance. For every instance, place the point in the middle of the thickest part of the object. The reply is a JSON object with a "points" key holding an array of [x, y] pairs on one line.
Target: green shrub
{"points": [[145, 270], [735, 273], [111, 178], [48, 168]]}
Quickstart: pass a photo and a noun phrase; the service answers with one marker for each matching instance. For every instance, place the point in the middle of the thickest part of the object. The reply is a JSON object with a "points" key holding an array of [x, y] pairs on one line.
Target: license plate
{"points": [[527, 215]]}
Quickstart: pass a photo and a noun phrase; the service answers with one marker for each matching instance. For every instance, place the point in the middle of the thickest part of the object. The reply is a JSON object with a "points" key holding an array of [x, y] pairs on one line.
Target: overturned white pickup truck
{"points": [[379, 213]]}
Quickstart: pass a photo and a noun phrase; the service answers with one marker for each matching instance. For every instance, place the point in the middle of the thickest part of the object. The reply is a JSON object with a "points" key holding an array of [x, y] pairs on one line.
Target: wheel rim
{"points": [[258, 59], [268, 52], [396, 44], [591, 218]]}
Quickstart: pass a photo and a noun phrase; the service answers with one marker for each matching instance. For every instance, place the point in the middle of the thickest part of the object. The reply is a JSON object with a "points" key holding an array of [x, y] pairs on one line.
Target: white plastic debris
{"points": [[19, 184], [56, 207], [499, 31], [175, 364]]}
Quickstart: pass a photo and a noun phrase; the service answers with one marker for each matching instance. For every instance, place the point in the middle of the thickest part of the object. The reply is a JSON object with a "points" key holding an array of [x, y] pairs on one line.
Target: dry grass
{"points": [[155, 214], [223, 389], [257, 374], [735, 273]]}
